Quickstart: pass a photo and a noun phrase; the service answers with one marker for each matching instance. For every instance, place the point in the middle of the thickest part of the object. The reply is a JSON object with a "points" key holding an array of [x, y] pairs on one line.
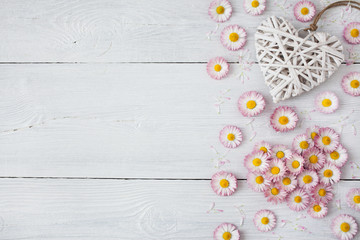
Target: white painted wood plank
{"points": [[118, 209], [132, 31], [142, 120]]}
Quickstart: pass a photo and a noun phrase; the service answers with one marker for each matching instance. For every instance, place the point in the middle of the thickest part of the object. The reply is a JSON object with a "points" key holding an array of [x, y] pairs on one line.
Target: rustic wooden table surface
{"points": [[109, 125]]}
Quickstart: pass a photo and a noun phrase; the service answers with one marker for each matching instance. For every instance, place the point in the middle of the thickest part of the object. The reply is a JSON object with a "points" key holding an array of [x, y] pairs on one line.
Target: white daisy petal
{"points": [[233, 37], [281, 152], [326, 102], [264, 220], [351, 83], [329, 174], [304, 11], [257, 162], [338, 157], [344, 227], [217, 68], [322, 193], [226, 231], [288, 182], [308, 180], [301, 143], [311, 132], [298, 200], [230, 136], [275, 194], [263, 146], [317, 210], [353, 198], [220, 10], [276, 171], [327, 140], [251, 104], [224, 183], [295, 164], [254, 7], [314, 159], [352, 33], [258, 182], [283, 119]]}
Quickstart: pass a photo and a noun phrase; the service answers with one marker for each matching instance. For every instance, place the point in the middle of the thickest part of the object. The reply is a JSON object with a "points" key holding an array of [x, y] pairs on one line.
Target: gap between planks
{"points": [[103, 63]]}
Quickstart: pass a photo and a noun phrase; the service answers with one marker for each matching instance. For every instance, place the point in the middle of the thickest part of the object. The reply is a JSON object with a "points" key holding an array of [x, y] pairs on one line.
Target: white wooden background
{"points": [[108, 128]]}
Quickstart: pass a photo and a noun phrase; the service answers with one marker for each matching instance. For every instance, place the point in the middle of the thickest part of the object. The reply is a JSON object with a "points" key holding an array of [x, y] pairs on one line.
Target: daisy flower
{"points": [[277, 170], [217, 68], [322, 193], [233, 37], [220, 10], [344, 227], [230, 136], [351, 83], [327, 140], [275, 194], [298, 200], [326, 102], [226, 231], [224, 183], [304, 11], [295, 164], [317, 210], [329, 174], [352, 33], [311, 132], [263, 146], [338, 157], [254, 7], [283, 119], [264, 220], [301, 143], [281, 152], [251, 104], [288, 182], [353, 198], [314, 159], [308, 179], [257, 162], [257, 182]]}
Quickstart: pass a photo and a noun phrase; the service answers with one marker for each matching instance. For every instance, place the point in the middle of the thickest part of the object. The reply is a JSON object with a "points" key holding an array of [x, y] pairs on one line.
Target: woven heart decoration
{"points": [[292, 64]]}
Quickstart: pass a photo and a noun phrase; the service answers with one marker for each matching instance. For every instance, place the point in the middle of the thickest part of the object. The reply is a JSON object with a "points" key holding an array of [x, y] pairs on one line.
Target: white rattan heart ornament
{"points": [[292, 64]]}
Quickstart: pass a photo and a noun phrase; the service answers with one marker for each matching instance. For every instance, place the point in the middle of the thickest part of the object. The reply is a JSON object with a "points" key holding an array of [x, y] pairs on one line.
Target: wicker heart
{"points": [[292, 64]]}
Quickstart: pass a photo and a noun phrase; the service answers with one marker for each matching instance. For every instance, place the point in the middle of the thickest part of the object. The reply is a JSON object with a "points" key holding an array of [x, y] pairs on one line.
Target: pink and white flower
{"points": [[314, 159], [304, 11], [224, 183], [329, 174], [263, 146], [351, 83], [220, 10], [281, 152], [295, 164], [226, 231], [255, 7], [344, 227], [302, 143], [264, 220], [308, 179], [230, 136], [311, 132], [338, 157], [326, 102], [275, 194], [317, 210], [288, 182], [251, 104], [218, 68], [233, 37], [258, 182], [298, 200], [352, 33], [277, 170], [284, 119], [322, 193], [327, 140], [353, 198], [257, 162]]}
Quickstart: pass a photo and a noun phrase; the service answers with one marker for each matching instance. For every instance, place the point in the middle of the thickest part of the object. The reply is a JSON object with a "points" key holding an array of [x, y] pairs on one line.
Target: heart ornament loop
{"points": [[292, 64]]}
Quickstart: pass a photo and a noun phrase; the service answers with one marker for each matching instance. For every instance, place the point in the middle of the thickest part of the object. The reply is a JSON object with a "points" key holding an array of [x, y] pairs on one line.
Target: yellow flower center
{"points": [[354, 83], [317, 208], [231, 137], [280, 154], [259, 179], [286, 181], [264, 149], [334, 155], [322, 192], [234, 37], [274, 191], [217, 68], [313, 159], [313, 135], [295, 164], [326, 102], [304, 145], [227, 236], [224, 183], [297, 199], [265, 220], [345, 227], [357, 198], [304, 11], [220, 10], [326, 140], [255, 3], [283, 120], [251, 104], [354, 32], [307, 179], [257, 162], [275, 170], [328, 173]]}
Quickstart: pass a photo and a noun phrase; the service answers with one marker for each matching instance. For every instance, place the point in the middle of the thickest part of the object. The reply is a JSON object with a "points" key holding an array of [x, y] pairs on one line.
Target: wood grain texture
{"points": [[143, 120], [119, 209], [133, 31]]}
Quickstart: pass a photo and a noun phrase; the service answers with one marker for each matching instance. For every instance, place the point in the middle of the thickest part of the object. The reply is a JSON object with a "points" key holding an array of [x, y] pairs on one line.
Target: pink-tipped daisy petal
{"points": [[218, 68], [257, 162], [338, 157], [329, 174], [326, 102], [284, 119], [295, 164], [226, 231], [322, 193], [344, 227], [352, 33], [220, 10], [257, 182], [308, 180], [311, 132], [327, 140], [351, 83], [251, 104], [317, 210], [353, 198], [281, 152], [304, 11], [233, 37], [263, 146], [255, 7], [301, 143], [298, 200], [276, 171], [230, 136], [288, 182], [314, 159], [224, 183], [264, 220], [275, 194]]}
